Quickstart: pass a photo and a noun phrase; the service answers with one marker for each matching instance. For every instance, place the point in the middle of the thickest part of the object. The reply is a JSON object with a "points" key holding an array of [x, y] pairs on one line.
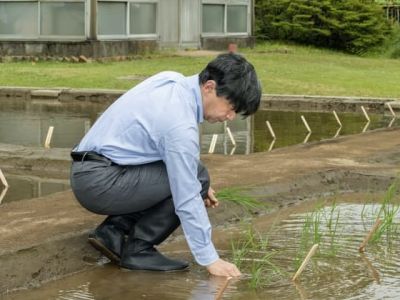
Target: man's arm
{"points": [[181, 152]]}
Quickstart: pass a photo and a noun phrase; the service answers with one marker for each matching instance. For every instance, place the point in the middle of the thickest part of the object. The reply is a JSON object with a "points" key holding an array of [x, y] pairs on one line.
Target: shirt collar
{"points": [[194, 85]]}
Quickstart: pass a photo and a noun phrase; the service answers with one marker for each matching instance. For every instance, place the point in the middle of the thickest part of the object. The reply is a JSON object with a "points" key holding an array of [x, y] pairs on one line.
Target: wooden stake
{"points": [[270, 129], [231, 136], [3, 193], [337, 118], [306, 138], [213, 143], [306, 260], [391, 109], [305, 123], [48, 137], [374, 272], [366, 126], [3, 179], [365, 113], [369, 235], [222, 289]]}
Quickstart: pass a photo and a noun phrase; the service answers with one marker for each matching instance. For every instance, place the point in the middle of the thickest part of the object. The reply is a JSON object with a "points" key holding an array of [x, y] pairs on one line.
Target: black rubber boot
{"points": [[109, 236], [154, 227]]}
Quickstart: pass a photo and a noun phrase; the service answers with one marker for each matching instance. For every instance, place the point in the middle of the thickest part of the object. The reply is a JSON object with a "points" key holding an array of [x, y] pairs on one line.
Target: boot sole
{"points": [[104, 250], [124, 269]]}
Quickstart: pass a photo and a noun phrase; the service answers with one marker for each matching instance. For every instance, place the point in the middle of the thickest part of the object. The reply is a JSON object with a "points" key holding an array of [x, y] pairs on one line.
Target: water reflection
{"points": [[27, 187], [27, 123]]}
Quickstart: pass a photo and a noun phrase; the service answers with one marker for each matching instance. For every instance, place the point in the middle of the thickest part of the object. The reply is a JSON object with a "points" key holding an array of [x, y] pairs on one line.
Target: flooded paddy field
{"points": [[268, 249], [27, 123], [327, 189]]}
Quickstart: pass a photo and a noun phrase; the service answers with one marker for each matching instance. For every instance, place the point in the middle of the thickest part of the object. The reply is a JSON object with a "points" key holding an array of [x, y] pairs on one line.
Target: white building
{"points": [[121, 27]]}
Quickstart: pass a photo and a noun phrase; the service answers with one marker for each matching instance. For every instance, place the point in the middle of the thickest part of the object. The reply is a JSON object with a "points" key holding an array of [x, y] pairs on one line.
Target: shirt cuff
{"points": [[206, 255]]}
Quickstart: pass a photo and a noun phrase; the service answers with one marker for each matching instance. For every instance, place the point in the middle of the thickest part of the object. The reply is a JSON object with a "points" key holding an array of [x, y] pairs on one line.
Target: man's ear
{"points": [[210, 85]]}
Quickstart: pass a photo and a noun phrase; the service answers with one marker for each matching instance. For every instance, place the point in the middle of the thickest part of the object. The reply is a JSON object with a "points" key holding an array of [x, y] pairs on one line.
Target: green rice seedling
{"points": [[237, 196], [250, 253], [388, 212], [316, 224], [242, 246], [256, 275], [305, 241], [332, 222]]}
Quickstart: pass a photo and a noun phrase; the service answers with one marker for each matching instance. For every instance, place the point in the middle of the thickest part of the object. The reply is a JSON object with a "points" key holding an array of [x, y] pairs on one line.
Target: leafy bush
{"points": [[394, 46], [350, 25]]}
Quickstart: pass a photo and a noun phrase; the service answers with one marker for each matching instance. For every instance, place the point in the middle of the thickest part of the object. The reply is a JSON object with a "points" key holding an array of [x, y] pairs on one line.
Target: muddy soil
{"points": [[45, 238]]}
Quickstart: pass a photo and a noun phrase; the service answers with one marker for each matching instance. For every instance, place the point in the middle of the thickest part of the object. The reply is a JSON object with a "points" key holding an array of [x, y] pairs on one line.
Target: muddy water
{"points": [[26, 187], [27, 124], [337, 271]]}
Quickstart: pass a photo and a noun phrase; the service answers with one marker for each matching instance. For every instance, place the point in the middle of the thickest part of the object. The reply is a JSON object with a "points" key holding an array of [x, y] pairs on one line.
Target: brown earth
{"points": [[45, 238]]}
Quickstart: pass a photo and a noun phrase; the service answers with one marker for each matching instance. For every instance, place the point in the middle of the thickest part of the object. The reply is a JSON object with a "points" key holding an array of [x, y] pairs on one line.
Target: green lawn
{"points": [[283, 69]]}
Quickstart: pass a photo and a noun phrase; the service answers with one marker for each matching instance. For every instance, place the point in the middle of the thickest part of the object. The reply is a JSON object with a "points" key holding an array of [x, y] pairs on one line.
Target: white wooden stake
{"points": [[3, 193], [213, 143], [365, 113], [305, 123], [271, 145], [304, 263], [337, 118], [337, 132], [391, 109], [306, 138], [48, 137], [3, 179], [391, 122], [270, 129], [366, 127], [233, 150], [228, 130]]}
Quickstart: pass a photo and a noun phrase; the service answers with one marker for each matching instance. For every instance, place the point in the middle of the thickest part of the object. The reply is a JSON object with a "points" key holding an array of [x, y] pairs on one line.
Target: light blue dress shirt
{"points": [[158, 120]]}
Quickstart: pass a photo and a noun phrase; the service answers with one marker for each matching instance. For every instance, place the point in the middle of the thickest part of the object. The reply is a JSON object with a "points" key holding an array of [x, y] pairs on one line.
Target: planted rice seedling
{"points": [[251, 254], [388, 212]]}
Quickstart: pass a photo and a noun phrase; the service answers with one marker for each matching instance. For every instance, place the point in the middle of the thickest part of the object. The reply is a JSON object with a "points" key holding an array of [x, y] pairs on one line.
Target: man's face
{"points": [[216, 109]]}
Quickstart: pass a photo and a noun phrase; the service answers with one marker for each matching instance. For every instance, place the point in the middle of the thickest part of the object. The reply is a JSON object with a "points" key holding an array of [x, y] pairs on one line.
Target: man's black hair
{"points": [[235, 80]]}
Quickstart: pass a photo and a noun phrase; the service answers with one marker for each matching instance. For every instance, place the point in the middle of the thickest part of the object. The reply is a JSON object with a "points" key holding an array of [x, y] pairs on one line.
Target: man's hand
{"points": [[211, 200], [223, 268]]}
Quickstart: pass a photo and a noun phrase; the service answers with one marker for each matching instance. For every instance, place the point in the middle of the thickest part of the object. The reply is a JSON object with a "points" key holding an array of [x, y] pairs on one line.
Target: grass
{"points": [[282, 68]]}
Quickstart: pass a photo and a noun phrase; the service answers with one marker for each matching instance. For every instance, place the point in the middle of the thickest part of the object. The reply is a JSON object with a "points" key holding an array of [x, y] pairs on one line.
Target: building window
{"points": [[143, 18], [62, 18], [213, 18], [112, 18], [225, 17], [18, 18], [236, 18], [57, 19], [130, 18]]}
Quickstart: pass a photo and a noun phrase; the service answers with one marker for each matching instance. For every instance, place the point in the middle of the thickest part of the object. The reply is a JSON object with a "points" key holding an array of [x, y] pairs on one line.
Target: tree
{"points": [[349, 25]]}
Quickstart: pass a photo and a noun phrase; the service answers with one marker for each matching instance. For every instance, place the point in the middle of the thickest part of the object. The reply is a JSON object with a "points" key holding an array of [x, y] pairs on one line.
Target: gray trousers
{"points": [[108, 189]]}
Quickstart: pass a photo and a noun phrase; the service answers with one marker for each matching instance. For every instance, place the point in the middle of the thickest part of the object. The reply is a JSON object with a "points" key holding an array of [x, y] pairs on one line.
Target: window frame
{"points": [[40, 37], [128, 34], [227, 3]]}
